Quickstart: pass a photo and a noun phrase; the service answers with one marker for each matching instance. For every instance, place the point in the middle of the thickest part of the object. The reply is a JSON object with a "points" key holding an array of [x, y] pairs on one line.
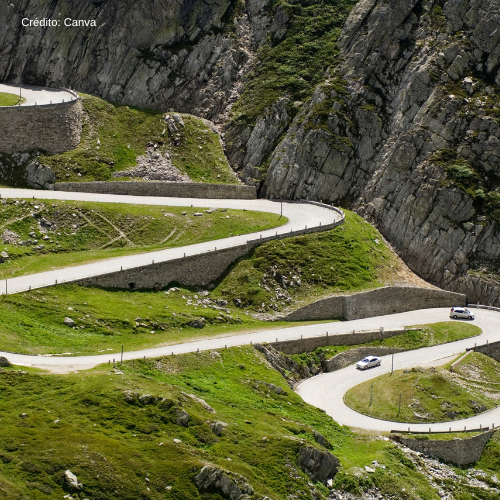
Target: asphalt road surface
{"points": [[37, 95], [325, 391]]}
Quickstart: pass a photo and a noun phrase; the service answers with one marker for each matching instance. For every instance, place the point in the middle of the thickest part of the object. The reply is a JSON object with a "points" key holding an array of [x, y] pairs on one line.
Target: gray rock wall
{"points": [[456, 451], [378, 302], [189, 55], [157, 188], [310, 344], [412, 104], [191, 271], [390, 300], [492, 350], [52, 128], [330, 308]]}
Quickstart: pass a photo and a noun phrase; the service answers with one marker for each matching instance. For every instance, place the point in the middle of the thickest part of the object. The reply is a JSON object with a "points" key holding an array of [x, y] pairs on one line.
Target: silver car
{"points": [[368, 362], [461, 312]]}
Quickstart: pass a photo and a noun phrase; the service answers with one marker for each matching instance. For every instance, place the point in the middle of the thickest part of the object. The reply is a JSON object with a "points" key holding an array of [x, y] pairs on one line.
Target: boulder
{"points": [[69, 322], [197, 323], [218, 427], [320, 439], [319, 465], [4, 361], [183, 418], [71, 481], [227, 484]]}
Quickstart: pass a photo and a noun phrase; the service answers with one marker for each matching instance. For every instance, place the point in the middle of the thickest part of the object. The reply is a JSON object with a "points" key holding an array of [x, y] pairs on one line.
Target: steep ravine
{"points": [[406, 132]]}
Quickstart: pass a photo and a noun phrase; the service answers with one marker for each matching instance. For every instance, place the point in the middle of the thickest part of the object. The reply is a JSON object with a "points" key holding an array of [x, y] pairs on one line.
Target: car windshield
{"points": [[365, 360]]}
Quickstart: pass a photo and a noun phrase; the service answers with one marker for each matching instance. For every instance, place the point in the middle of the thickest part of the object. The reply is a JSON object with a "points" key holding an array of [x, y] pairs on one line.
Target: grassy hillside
{"points": [[299, 270], [433, 394], [32, 322], [69, 232], [125, 450], [114, 135]]}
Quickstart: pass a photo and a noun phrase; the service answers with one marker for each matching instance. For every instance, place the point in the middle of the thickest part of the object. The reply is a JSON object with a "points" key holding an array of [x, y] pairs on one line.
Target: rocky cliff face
{"points": [[406, 131], [188, 55], [402, 125]]}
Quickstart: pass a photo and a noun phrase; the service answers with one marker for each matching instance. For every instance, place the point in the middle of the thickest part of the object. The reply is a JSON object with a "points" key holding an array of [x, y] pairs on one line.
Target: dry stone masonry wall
{"points": [[52, 128], [456, 451], [379, 302], [156, 188], [310, 344]]}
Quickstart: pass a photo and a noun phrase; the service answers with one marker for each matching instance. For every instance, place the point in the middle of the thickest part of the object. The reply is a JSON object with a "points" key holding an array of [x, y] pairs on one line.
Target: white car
{"points": [[368, 362], [461, 312]]}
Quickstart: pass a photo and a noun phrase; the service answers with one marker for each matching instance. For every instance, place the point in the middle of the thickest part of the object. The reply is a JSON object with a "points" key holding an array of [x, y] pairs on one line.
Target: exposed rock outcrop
{"points": [[406, 131], [188, 55], [320, 465], [227, 484]]}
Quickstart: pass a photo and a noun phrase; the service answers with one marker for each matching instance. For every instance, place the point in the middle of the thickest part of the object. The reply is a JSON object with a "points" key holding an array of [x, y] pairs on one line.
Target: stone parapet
{"points": [[159, 188]]}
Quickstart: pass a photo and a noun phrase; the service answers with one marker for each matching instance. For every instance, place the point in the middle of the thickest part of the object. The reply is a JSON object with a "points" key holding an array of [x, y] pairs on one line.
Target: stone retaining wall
{"points": [[194, 270], [379, 302], [310, 344], [456, 451], [159, 188], [346, 358], [52, 128], [492, 350]]}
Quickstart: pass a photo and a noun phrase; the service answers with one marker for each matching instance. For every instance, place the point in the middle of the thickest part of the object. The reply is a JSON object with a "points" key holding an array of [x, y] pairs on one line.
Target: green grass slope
{"points": [[10, 99], [114, 135], [32, 322], [123, 449], [299, 270], [76, 232]]}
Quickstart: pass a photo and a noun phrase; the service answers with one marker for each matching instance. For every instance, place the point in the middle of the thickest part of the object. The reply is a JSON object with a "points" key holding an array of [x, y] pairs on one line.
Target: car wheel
{"points": [[378, 364], [470, 317], [454, 316]]}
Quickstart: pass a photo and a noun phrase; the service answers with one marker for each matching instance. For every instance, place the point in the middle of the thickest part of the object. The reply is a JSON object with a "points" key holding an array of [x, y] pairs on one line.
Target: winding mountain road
{"points": [[325, 391], [300, 215], [38, 95]]}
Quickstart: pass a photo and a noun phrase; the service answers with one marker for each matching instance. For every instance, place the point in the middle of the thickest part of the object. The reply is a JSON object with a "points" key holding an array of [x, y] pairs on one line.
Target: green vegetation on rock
{"points": [[431, 394], [42, 235], [114, 135], [349, 258], [10, 99], [293, 64]]}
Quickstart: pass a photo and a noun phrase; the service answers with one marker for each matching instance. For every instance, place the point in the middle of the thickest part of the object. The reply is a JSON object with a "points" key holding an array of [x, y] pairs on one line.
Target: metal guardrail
{"points": [[465, 430]]}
